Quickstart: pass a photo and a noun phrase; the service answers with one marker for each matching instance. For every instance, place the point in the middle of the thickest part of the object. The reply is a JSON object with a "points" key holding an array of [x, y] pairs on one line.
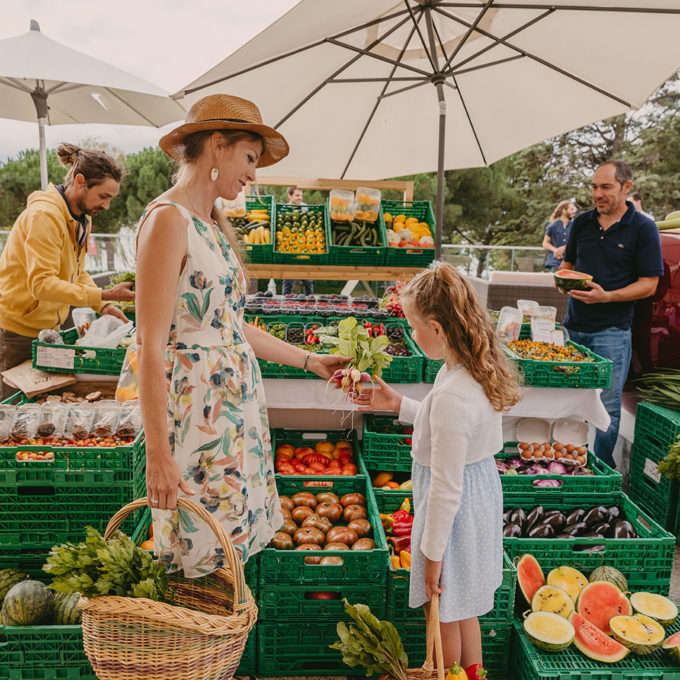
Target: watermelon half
{"points": [[671, 645], [568, 279], [592, 642], [600, 601], [529, 576]]}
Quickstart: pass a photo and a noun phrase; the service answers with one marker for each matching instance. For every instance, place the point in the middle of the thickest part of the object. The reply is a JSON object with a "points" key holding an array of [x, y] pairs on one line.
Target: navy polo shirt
{"points": [[559, 235], [630, 249]]}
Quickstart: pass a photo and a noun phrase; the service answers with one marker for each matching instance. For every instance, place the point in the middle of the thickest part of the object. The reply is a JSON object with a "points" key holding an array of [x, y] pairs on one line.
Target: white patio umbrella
{"points": [[369, 90], [41, 78]]}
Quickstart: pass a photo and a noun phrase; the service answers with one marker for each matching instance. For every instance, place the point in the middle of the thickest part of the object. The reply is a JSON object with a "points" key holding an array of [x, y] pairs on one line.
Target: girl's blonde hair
{"points": [[559, 210], [442, 294]]}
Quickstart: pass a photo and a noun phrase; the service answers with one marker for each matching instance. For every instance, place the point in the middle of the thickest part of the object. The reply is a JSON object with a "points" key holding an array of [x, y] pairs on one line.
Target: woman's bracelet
{"points": [[305, 368]]}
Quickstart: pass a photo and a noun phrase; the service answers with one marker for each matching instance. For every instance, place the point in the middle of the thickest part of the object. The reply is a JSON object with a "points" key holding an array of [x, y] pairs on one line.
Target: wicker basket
{"points": [[200, 638]]}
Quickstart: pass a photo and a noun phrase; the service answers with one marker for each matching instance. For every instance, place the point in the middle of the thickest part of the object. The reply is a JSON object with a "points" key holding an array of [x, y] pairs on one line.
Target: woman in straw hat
{"points": [[202, 397]]}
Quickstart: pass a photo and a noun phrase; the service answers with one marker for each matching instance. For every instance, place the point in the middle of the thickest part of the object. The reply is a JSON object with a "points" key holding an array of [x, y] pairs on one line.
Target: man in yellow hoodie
{"points": [[42, 267]]}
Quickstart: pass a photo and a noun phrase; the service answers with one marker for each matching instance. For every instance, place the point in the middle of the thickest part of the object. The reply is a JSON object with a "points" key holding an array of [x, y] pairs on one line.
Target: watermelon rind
{"points": [[549, 632], [655, 606], [599, 601], [568, 279], [671, 645], [552, 599], [8, 578], [66, 610], [611, 575], [571, 580], [593, 643], [628, 629], [529, 576], [29, 603]]}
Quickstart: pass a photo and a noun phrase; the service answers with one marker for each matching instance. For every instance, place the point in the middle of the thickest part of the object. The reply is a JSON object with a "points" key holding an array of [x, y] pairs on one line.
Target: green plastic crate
{"points": [[405, 369], [30, 562], [410, 257], [301, 258], [646, 561], [72, 358], [261, 254], [309, 438], [383, 450], [568, 374], [356, 255], [38, 515], [529, 663], [285, 567], [431, 368], [495, 645], [603, 480], [659, 425], [299, 648]]}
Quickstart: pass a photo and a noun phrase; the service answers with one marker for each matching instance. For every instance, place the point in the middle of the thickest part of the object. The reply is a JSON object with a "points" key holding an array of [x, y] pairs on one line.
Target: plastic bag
{"points": [[83, 318], [53, 419], [50, 336], [509, 324], [127, 382], [106, 331], [130, 422], [527, 307], [81, 418], [7, 415], [106, 417], [26, 421]]}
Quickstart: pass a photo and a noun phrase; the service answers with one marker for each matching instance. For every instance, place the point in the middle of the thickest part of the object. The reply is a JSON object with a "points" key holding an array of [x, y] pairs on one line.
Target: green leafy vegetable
{"points": [[114, 567], [670, 465], [371, 643], [368, 354], [121, 277], [661, 387]]}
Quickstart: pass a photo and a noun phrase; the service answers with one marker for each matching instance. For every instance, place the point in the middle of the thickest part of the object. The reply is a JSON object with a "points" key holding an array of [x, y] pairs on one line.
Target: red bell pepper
{"points": [[402, 528], [476, 672], [401, 516], [400, 543]]}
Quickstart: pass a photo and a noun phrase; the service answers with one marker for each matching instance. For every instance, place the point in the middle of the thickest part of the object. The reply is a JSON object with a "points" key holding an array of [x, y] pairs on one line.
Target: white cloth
{"points": [[454, 426]]}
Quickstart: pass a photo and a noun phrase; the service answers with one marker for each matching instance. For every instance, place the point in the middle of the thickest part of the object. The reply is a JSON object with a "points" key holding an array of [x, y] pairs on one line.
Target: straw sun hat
{"points": [[226, 112]]}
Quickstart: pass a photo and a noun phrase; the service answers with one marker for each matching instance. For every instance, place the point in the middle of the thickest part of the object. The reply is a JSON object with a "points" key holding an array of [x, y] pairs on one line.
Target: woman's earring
{"points": [[214, 173]]}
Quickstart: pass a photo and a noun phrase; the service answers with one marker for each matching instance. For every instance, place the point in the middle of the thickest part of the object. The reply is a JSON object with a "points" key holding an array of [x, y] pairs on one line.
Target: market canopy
{"points": [[350, 84], [43, 80]]}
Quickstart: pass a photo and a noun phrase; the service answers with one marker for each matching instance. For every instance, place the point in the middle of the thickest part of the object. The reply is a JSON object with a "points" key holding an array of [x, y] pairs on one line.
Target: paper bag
{"points": [[32, 381]]}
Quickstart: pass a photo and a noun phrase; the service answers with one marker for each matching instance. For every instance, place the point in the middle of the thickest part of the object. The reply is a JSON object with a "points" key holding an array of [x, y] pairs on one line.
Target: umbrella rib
{"points": [[542, 61], [375, 80], [489, 64], [519, 29], [570, 8], [16, 84], [467, 113], [379, 98], [470, 30], [340, 70], [405, 89], [122, 99], [290, 53], [430, 57]]}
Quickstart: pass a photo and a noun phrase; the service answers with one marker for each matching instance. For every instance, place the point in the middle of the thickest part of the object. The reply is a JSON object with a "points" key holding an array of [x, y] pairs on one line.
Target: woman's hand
{"points": [[379, 397], [324, 365], [433, 572], [163, 478]]}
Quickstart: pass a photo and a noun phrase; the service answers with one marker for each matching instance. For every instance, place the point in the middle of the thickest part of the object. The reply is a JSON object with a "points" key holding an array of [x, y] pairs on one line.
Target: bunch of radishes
{"points": [[350, 379]]}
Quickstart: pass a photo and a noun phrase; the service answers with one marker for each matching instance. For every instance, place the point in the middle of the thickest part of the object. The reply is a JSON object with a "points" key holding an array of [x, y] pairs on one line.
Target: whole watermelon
{"points": [[28, 603], [66, 610], [9, 578]]}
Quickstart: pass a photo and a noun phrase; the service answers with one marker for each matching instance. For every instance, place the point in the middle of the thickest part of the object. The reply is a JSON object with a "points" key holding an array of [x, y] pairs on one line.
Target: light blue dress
{"points": [[472, 566]]}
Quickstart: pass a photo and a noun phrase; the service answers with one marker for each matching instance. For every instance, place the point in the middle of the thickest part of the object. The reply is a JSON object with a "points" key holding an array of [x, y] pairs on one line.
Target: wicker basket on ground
{"points": [[199, 637]]}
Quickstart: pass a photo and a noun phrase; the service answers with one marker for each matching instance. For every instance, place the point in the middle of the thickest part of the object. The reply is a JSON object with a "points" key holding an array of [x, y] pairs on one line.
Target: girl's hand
{"points": [[380, 397], [324, 365], [433, 572], [163, 478]]}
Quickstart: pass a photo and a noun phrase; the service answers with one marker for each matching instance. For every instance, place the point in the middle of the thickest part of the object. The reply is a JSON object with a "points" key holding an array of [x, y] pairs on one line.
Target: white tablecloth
{"points": [[537, 402]]}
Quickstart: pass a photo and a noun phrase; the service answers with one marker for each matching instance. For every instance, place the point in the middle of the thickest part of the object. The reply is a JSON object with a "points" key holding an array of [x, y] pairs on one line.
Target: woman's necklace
{"points": [[193, 208]]}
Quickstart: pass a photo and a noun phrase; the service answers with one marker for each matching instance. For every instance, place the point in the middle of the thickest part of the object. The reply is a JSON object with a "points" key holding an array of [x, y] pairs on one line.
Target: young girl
{"points": [[457, 541]]}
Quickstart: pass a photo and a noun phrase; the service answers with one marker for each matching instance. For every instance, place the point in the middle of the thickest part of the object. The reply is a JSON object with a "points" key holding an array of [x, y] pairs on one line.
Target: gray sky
{"points": [[167, 42]]}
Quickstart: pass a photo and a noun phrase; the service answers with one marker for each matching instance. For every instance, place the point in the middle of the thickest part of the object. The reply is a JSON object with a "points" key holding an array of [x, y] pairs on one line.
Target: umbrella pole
{"points": [[43, 154], [440, 171]]}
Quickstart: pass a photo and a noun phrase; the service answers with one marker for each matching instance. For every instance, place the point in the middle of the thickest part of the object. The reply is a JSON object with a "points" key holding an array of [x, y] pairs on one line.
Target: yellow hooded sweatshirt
{"points": [[42, 269]]}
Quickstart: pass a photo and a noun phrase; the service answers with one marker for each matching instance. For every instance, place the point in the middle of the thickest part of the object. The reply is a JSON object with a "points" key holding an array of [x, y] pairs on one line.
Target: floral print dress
{"points": [[217, 415]]}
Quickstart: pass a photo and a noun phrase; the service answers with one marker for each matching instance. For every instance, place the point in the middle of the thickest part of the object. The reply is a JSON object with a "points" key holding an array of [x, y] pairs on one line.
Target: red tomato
{"points": [[347, 473], [317, 467], [351, 469], [344, 458]]}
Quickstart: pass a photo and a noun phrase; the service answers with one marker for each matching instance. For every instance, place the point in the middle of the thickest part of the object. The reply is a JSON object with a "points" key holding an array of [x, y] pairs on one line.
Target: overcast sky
{"points": [[166, 42]]}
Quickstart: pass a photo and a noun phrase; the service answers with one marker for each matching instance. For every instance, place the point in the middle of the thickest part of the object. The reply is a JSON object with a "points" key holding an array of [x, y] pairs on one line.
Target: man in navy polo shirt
{"points": [[621, 248]]}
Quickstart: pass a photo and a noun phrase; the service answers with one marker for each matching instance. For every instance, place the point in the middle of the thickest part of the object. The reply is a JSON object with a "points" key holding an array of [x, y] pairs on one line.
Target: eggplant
{"points": [[506, 515], [614, 513], [564, 536], [605, 529], [576, 516], [512, 531], [519, 517], [575, 529], [535, 516], [624, 529], [592, 534], [555, 519], [590, 548], [596, 515], [542, 531]]}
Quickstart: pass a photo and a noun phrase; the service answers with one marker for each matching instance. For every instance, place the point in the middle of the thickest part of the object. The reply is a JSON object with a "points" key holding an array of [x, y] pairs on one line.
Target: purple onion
{"points": [[555, 468], [547, 482], [532, 470], [515, 463], [502, 467]]}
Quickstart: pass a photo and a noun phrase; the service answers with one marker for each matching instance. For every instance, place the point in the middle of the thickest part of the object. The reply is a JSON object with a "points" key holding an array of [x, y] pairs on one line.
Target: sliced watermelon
{"points": [[568, 279], [600, 601], [671, 645], [529, 576], [592, 642]]}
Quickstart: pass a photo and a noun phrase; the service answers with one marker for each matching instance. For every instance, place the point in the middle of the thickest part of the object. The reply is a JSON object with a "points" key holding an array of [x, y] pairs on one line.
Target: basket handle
{"points": [[434, 640], [233, 559]]}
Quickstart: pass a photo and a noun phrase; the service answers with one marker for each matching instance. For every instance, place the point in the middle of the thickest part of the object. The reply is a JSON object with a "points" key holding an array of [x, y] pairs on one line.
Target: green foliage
{"points": [[368, 354], [97, 567]]}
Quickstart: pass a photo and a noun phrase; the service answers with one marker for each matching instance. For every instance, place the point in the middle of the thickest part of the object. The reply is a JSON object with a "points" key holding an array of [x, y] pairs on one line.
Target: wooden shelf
{"points": [[330, 272]]}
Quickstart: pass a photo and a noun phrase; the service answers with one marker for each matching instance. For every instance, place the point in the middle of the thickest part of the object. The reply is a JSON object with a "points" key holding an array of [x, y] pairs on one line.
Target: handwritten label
{"points": [[651, 470], [541, 330], [55, 356]]}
